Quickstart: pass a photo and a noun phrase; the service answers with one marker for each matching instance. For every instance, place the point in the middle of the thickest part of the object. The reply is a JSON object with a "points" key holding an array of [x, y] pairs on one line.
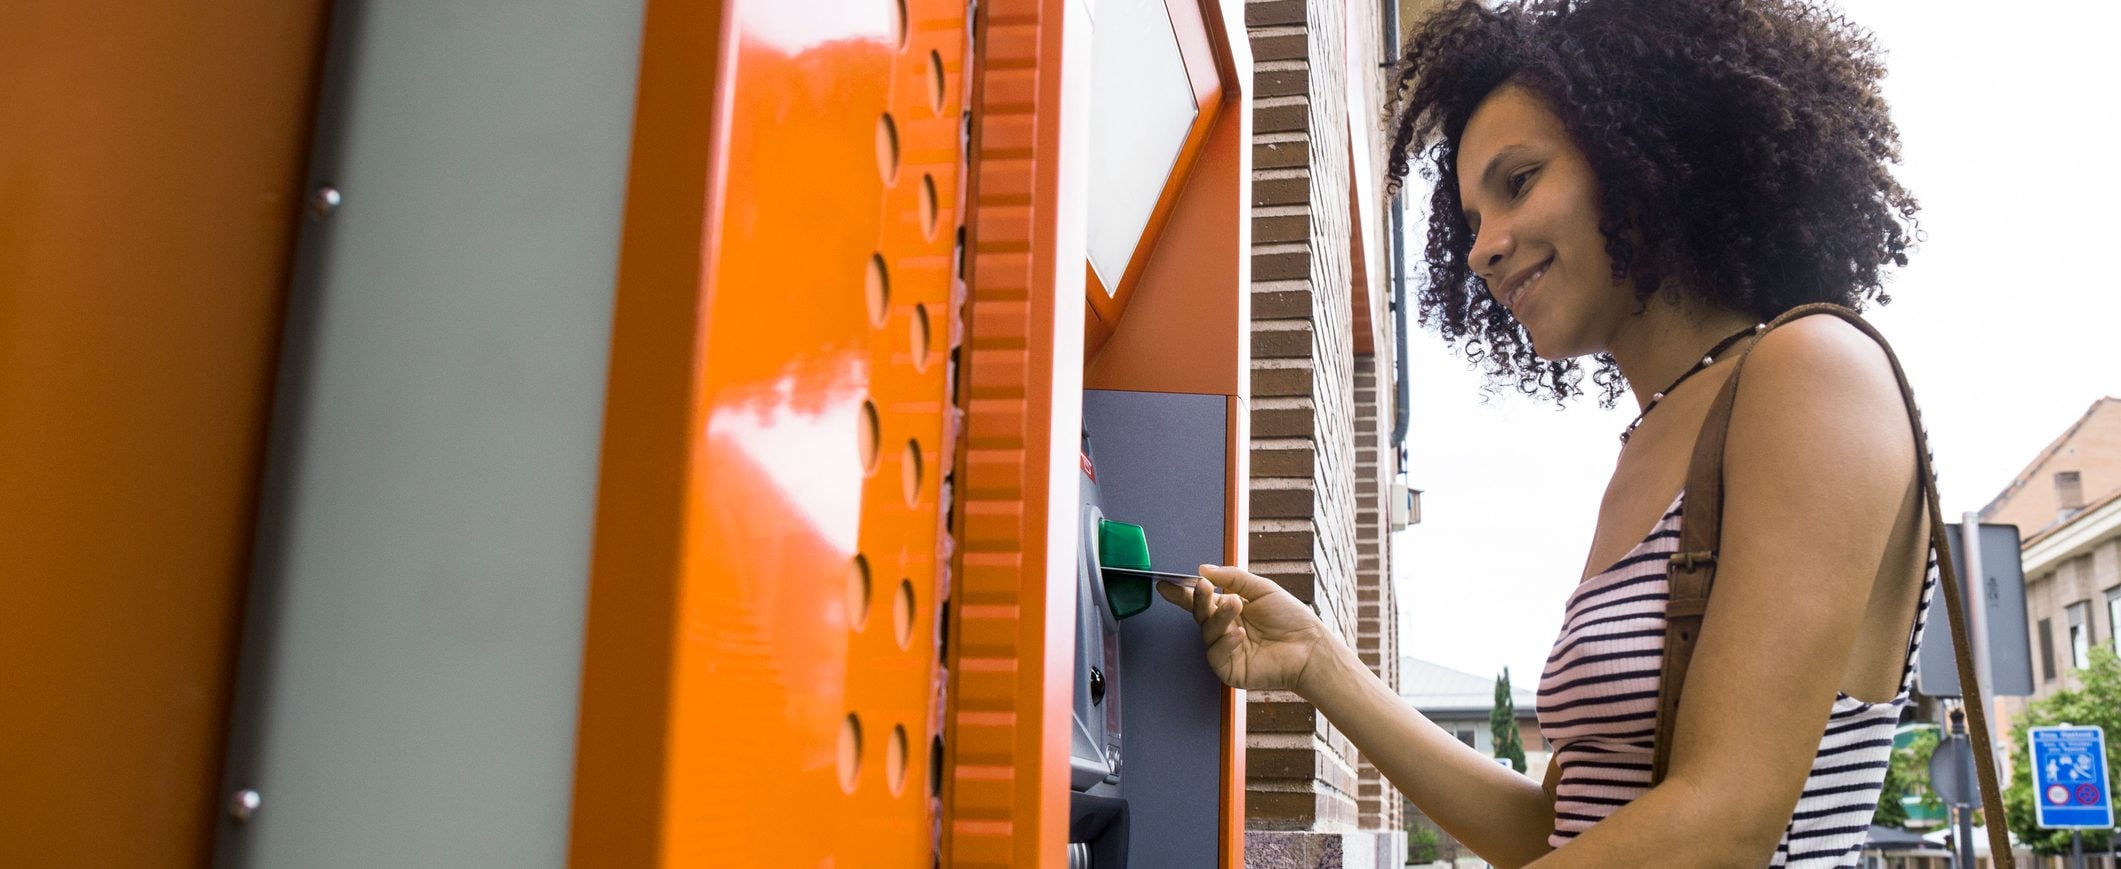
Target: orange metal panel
{"points": [[761, 663], [1188, 325], [1005, 802], [1200, 46], [153, 160], [636, 575]]}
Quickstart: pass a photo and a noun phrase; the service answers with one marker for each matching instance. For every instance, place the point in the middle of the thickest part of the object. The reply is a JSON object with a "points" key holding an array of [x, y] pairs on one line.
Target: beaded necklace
{"points": [[1707, 359]]}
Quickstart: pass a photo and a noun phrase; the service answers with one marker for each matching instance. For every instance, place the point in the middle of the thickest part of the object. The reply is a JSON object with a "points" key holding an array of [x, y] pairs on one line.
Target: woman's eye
{"points": [[1519, 179]]}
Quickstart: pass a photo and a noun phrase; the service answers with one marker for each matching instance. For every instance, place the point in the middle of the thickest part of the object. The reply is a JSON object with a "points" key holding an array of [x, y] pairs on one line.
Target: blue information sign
{"points": [[2070, 786]]}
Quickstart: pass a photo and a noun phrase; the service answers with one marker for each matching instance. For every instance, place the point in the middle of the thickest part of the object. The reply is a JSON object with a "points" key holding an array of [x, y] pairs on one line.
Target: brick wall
{"points": [[1301, 774], [1378, 805]]}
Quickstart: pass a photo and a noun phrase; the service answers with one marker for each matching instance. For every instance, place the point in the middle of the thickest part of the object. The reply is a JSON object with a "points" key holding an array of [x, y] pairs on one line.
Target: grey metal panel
{"points": [[2009, 649], [412, 650], [1161, 464]]}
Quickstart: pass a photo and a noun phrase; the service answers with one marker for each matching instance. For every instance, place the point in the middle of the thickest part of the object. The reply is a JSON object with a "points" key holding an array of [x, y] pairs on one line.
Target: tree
{"points": [[1502, 721], [1423, 846], [1891, 812], [1908, 775], [2098, 702]]}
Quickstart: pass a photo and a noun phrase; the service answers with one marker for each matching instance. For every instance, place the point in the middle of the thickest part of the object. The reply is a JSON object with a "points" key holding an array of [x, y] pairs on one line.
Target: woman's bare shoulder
{"points": [[1823, 371], [1820, 420]]}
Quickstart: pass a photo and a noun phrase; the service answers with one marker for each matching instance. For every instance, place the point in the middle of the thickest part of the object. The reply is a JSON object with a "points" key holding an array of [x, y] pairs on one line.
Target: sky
{"points": [[2006, 320]]}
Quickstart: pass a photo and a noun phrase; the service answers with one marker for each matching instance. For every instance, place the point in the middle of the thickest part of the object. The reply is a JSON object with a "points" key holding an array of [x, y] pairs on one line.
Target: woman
{"points": [[1644, 182]]}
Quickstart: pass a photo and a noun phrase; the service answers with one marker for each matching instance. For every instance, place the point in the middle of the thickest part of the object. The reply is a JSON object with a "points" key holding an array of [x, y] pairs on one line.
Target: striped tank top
{"points": [[1598, 710]]}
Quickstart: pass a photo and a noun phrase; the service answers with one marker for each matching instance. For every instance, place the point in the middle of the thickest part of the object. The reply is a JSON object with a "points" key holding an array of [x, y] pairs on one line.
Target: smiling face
{"points": [[1531, 199]]}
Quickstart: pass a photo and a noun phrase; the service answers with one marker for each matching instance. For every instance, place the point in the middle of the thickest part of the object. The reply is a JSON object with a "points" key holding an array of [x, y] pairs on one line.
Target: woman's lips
{"points": [[1516, 291]]}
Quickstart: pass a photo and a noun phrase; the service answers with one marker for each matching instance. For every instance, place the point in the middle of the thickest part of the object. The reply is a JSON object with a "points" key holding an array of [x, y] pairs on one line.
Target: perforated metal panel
{"points": [[804, 692]]}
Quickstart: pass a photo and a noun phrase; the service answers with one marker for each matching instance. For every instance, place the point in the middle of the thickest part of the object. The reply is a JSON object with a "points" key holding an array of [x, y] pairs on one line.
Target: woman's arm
{"points": [[1500, 814], [1818, 471], [1261, 637]]}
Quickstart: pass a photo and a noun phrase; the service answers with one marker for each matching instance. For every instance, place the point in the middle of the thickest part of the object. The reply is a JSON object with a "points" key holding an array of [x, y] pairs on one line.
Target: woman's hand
{"points": [[1258, 635]]}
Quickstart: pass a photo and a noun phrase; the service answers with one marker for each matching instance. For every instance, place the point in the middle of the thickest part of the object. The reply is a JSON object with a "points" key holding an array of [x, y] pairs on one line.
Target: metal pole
{"points": [[1976, 602], [1976, 578], [1962, 810], [2076, 849]]}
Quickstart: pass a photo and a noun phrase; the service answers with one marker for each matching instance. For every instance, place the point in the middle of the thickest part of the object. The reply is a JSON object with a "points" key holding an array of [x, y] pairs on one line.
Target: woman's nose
{"points": [[1491, 246]]}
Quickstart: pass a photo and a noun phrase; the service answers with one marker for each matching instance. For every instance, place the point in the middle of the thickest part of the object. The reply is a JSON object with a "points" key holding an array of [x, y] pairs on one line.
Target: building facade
{"points": [[2067, 506]]}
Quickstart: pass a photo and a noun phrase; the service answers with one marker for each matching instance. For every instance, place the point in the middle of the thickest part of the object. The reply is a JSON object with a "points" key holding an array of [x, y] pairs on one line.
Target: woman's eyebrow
{"points": [[1487, 176]]}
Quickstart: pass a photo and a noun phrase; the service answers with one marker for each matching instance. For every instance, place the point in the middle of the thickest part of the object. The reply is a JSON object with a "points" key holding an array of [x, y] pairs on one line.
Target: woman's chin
{"points": [[1554, 349]]}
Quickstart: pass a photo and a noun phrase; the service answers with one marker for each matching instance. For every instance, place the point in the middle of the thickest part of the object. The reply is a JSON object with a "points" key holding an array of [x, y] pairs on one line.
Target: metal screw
{"points": [[244, 804], [325, 201]]}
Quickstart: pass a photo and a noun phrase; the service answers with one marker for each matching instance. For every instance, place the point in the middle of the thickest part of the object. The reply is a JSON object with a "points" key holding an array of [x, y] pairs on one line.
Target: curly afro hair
{"points": [[1742, 148]]}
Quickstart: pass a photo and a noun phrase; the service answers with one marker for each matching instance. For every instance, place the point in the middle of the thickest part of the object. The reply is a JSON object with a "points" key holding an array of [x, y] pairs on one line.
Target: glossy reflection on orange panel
{"points": [[820, 27], [811, 551], [807, 434]]}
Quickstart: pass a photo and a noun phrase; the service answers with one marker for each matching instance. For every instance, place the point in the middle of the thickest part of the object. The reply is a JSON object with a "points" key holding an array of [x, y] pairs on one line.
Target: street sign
{"points": [[2003, 596], [1951, 775], [2070, 786]]}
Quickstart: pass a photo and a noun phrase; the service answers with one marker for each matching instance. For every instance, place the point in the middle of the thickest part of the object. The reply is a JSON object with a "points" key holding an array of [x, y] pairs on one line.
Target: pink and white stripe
{"points": [[1598, 709]]}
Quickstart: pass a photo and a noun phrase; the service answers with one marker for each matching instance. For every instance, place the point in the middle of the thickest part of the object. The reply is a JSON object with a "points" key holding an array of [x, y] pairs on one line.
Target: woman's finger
{"points": [[1175, 593], [1222, 656], [1203, 601], [1226, 612]]}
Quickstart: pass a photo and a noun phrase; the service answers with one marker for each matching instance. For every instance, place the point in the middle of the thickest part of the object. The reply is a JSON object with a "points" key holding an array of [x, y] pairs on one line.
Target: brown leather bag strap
{"points": [[1692, 574], [1692, 569]]}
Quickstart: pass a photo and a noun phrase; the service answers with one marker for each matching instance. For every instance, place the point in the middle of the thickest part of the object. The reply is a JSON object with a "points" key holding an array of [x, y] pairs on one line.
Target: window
{"points": [[2113, 617], [1144, 111], [2080, 634], [1465, 735], [2069, 490], [2047, 650]]}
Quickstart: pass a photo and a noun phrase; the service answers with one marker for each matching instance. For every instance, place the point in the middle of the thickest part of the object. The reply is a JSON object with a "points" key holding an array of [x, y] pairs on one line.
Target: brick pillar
{"points": [[1378, 804], [1300, 773], [1319, 523]]}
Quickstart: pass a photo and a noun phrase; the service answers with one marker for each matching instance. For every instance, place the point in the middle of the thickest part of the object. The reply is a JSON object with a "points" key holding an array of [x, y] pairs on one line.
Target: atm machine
{"points": [[1097, 813], [1155, 758], [1151, 733]]}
